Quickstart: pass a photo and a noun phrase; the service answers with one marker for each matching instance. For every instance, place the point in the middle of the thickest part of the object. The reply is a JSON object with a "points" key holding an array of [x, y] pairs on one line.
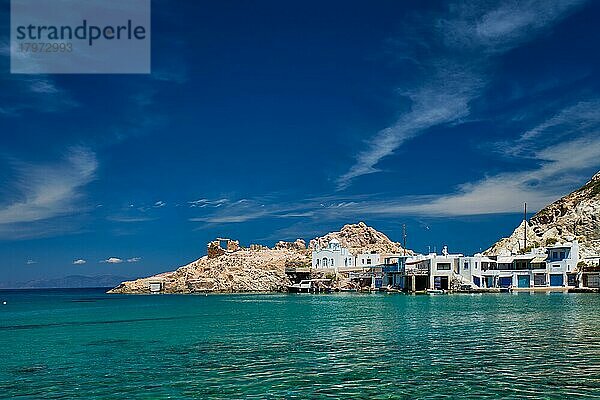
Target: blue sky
{"points": [[277, 120]]}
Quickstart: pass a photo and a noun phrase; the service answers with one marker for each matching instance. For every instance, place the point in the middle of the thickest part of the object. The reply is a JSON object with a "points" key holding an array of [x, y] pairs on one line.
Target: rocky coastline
{"points": [[231, 268]]}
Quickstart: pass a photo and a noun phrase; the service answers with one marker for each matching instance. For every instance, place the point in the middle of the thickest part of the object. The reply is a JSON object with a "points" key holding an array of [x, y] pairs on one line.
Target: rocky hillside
{"points": [[231, 268], [360, 238], [244, 270], [575, 215]]}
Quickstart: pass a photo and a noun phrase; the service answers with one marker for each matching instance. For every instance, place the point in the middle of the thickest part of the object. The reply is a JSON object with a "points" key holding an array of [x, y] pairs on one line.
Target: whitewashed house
{"points": [[334, 256], [367, 260], [470, 269], [556, 266], [444, 268]]}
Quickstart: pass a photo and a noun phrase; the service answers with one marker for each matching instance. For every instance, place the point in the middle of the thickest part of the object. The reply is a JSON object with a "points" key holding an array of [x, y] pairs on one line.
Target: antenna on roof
{"points": [[404, 237], [525, 230]]}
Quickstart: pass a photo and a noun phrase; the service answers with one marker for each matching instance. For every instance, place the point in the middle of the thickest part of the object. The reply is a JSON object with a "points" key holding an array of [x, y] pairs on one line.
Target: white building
{"points": [[367, 260], [471, 267], [444, 269], [554, 267], [334, 256]]}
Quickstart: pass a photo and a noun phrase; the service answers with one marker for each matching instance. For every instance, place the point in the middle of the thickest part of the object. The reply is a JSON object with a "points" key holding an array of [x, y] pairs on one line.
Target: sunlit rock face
{"points": [[359, 238]]}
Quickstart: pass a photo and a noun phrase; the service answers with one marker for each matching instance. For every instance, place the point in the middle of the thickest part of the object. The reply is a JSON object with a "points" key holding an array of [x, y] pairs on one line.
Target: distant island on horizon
{"points": [[67, 282]]}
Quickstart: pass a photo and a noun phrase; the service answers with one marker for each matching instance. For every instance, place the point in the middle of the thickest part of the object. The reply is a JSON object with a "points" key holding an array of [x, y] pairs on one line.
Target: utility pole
{"points": [[404, 237], [525, 225]]}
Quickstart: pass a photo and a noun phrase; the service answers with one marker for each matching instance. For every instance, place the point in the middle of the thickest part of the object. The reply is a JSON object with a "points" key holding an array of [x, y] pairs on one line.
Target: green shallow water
{"points": [[85, 344]]}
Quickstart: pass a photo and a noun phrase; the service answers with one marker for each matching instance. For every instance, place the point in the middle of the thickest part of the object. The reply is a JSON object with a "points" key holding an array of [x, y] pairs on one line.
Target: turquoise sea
{"points": [[85, 344]]}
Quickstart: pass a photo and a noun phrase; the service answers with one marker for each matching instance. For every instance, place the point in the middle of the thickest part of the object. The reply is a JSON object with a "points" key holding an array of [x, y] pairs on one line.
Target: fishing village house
{"points": [[333, 256], [553, 267], [368, 269]]}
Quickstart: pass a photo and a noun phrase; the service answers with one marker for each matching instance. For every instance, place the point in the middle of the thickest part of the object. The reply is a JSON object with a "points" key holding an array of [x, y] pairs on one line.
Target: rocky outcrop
{"points": [[298, 244], [360, 238], [244, 270], [220, 246], [577, 215]]}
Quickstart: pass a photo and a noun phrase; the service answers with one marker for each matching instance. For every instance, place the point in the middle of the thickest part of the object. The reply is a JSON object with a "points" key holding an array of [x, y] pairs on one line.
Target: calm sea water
{"points": [[83, 343]]}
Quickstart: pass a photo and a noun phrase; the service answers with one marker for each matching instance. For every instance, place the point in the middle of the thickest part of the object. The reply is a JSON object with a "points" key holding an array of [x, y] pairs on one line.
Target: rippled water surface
{"points": [[83, 343]]}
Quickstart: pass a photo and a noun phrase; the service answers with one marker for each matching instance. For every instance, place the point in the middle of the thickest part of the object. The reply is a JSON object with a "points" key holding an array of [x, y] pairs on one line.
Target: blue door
{"points": [[476, 281], [505, 281], [489, 281], [524, 281], [556, 280]]}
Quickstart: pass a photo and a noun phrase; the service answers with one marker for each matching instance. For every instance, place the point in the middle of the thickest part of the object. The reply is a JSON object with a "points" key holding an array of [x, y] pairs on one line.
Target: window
{"points": [[555, 254], [466, 266], [318, 262], [521, 264], [324, 262], [562, 255], [443, 267], [476, 267], [362, 260], [332, 263], [368, 261]]}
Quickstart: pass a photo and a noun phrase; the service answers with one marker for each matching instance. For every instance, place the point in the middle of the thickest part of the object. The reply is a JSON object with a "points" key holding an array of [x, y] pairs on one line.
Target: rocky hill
{"points": [[243, 270], [360, 238], [575, 215], [230, 268]]}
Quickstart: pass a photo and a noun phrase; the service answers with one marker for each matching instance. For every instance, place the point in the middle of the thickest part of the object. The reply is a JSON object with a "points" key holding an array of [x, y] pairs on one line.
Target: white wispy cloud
{"points": [[201, 203], [225, 212], [31, 262], [39, 93], [514, 21], [134, 259], [112, 260], [442, 100], [80, 261], [43, 86], [172, 76], [456, 71], [4, 47], [570, 122], [40, 192], [129, 219], [133, 213]]}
